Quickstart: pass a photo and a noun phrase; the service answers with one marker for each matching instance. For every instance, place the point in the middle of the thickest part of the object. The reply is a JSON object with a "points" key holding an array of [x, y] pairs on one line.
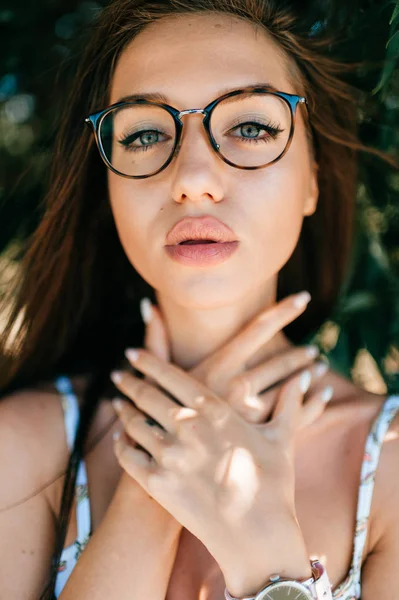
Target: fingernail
{"points": [[199, 400], [304, 381], [302, 299], [116, 435], [321, 368], [327, 393], [132, 354], [146, 309], [117, 404], [116, 376], [312, 351]]}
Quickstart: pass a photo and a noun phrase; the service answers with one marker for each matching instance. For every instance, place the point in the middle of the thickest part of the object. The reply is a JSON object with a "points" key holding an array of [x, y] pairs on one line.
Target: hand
{"points": [[231, 484], [251, 392]]}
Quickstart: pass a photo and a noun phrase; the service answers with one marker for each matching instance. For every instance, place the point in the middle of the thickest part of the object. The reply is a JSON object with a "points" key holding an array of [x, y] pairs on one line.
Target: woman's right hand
{"points": [[252, 391]]}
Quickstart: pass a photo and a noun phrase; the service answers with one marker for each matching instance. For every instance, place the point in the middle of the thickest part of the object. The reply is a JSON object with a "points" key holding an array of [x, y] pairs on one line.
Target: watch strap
{"points": [[319, 584]]}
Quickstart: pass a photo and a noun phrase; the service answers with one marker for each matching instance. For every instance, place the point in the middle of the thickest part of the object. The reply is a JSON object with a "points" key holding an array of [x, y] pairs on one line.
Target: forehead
{"points": [[190, 58]]}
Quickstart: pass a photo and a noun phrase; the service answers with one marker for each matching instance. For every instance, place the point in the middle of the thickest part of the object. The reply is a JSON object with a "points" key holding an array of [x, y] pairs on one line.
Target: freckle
{"points": [[23, 551], [32, 552]]}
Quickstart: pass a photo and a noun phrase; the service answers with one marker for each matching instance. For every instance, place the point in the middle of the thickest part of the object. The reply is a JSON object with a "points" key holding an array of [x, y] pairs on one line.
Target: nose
{"points": [[196, 170]]}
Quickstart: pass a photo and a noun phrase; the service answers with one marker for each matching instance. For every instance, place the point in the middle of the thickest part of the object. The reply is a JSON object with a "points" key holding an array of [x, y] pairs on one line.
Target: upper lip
{"points": [[200, 228]]}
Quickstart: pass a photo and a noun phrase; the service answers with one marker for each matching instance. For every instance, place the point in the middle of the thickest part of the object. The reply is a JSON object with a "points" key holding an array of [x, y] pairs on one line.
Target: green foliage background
{"points": [[40, 43]]}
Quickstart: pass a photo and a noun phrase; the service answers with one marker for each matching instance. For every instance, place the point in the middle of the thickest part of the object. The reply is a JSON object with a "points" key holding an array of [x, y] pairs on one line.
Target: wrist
{"points": [[283, 554], [131, 501], [317, 586], [247, 584]]}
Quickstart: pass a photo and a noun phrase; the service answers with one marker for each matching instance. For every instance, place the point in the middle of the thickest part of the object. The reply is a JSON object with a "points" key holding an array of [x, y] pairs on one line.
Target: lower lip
{"points": [[202, 255]]}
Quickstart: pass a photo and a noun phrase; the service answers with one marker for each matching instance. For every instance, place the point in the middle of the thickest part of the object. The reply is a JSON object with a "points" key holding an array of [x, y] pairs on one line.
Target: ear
{"points": [[310, 203]]}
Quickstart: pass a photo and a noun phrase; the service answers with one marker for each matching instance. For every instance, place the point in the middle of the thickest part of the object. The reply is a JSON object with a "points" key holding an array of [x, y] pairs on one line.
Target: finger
{"points": [[155, 338], [270, 372], [180, 384], [258, 407], [150, 400], [137, 463], [290, 400], [281, 366], [260, 330], [137, 427], [315, 406]]}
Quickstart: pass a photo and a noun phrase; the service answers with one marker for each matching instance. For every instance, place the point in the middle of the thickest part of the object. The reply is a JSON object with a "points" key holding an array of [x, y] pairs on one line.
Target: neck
{"points": [[196, 333]]}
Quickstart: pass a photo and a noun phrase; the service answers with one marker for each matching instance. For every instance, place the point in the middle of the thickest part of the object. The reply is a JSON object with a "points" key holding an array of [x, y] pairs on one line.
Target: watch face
{"points": [[285, 590]]}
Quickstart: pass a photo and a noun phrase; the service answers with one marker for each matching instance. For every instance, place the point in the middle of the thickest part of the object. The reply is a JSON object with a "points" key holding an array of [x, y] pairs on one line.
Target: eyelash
{"points": [[124, 141], [272, 129]]}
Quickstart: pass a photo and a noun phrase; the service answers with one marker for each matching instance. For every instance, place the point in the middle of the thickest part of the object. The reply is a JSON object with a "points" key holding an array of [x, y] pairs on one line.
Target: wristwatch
{"points": [[317, 587]]}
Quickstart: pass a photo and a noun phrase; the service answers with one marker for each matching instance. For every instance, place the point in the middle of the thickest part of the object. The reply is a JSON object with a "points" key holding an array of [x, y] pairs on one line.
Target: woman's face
{"points": [[193, 59]]}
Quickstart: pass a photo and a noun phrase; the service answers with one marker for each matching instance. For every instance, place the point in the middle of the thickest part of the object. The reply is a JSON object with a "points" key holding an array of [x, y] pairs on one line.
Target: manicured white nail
{"points": [[199, 400], [146, 309], [312, 351], [117, 404], [321, 369], [327, 393], [304, 381], [302, 299], [116, 376], [132, 354]]}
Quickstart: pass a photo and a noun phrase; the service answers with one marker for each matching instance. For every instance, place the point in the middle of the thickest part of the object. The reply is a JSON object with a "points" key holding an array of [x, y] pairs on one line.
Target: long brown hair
{"points": [[75, 304]]}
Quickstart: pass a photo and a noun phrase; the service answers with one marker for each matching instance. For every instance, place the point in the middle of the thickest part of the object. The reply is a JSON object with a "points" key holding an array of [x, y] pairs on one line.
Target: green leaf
{"points": [[395, 13], [395, 41]]}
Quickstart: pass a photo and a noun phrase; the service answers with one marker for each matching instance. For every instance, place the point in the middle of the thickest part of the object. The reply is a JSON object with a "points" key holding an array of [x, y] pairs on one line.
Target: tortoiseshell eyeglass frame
{"points": [[292, 100]]}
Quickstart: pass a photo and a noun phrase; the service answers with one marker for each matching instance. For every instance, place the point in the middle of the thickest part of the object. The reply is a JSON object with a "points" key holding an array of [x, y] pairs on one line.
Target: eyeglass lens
{"points": [[252, 130]]}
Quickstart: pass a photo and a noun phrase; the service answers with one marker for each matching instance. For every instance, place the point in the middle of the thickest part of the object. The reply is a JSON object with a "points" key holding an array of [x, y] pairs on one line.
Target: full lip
{"points": [[205, 227]]}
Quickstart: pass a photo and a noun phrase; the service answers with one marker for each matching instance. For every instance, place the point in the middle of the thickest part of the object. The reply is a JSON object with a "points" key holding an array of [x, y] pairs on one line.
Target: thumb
{"points": [[156, 338]]}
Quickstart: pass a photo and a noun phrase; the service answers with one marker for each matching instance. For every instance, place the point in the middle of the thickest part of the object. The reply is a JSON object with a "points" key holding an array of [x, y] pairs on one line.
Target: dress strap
{"points": [[70, 406], [372, 452]]}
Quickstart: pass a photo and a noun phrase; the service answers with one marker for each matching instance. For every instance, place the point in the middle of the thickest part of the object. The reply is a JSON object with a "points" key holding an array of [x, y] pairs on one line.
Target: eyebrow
{"points": [[158, 97]]}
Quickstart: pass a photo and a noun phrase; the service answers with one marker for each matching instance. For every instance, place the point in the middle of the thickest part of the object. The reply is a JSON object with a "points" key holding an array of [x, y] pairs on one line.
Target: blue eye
{"points": [[142, 136], [254, 129]]}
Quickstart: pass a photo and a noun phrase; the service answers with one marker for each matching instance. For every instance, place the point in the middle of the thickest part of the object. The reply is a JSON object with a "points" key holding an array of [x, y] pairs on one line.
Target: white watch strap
{"points": [[322, 583], [319, 585]]}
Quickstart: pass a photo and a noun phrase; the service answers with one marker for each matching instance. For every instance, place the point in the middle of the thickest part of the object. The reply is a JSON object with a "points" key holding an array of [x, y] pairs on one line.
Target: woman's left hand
{"points": [[229, 482]]}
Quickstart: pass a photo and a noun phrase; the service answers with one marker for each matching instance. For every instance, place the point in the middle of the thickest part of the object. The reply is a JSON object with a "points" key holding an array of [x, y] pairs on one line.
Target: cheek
{"points": [[132, 216], [277, 211]]}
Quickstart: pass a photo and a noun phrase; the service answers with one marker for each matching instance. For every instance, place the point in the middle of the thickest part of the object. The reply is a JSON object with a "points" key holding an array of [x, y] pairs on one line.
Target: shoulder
{"points": [[31, 435], [32, 439], [380, 575], [353, 416], [33, 458], [385, 506], [356, 415]]}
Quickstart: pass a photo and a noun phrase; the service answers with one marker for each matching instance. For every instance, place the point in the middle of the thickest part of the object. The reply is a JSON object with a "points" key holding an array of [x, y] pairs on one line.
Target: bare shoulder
{"points": [[32, 452], [32, 437], [32, 440], [385, 506], [359, 412], [351, 416], [380, 575]]}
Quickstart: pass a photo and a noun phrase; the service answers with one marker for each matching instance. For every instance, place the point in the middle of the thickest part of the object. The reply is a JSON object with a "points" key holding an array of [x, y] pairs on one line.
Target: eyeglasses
{"points": [[249, 128]]}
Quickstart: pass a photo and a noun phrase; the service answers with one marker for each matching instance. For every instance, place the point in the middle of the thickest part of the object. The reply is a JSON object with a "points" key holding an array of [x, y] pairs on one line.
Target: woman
{"points": [[225, 473]]}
